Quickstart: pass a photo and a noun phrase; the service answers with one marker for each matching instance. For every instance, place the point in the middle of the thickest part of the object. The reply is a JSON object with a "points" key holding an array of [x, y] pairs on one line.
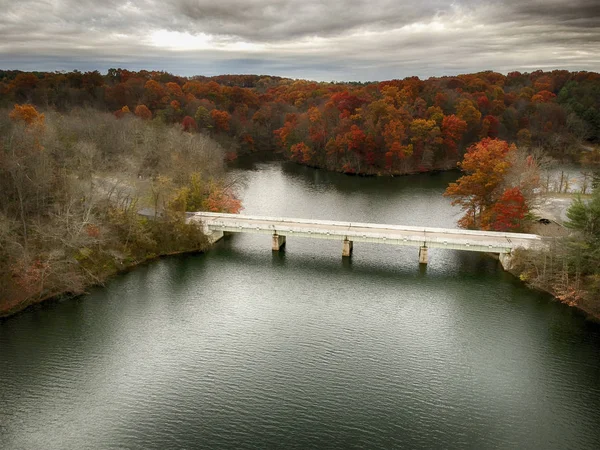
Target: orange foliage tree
{"points": [[486, 163], [120, 113], [27, 114], [221, 199], [143, 112], [221, 119], [301, 152]]}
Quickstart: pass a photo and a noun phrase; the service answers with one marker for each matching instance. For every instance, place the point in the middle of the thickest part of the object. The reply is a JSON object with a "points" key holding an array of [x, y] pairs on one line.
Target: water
{"points": [[242, 348]]}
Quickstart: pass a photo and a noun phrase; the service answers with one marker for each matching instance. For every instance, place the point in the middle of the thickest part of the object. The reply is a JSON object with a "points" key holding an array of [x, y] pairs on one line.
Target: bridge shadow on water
{"points": [[373, 261]]}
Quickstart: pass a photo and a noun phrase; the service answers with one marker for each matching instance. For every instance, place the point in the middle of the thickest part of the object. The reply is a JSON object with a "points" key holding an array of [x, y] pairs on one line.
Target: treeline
{"points": [[391, 127], [72, 186]]}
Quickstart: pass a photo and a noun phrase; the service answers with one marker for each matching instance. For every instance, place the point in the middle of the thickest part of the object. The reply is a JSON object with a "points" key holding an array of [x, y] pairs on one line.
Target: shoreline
{"points": [[13, 310], [588, 315], [280, 157], [66, 295]]}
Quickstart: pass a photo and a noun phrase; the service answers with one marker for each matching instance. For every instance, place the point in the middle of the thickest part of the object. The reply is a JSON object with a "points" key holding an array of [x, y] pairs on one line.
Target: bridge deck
{"points": [[479, 241]]}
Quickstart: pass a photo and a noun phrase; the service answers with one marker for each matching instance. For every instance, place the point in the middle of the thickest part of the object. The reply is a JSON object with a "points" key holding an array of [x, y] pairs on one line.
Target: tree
{"points": [[220, 119], [143, 112], [222, 199], [27, 114], [174, 90], [301, 152], [202, 117], [189, 124], [155, 94], [508, 213], [453, 129], [120, 113], [467, 112], [485, 163], [585, 216]]}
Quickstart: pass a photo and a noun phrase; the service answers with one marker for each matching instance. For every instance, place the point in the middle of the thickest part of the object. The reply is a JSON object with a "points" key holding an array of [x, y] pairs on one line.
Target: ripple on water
{"points": [[240, 348]]}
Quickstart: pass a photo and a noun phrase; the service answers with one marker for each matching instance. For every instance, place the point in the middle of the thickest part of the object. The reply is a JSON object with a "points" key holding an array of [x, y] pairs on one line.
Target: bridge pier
{"points": [[278, 242], [347, 248], [423, 258], [215, 236], [505, 260]]}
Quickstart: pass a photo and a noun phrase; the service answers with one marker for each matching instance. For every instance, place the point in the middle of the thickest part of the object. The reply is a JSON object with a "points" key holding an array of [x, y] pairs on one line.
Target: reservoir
{"points": [[245, 348]]}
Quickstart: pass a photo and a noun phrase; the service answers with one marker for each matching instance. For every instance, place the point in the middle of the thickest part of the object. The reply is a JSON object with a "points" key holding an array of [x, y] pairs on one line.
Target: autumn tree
{"points": [[509, 212], [155, 94], [221, 120], [143, 112], [301, 152], [466, 111], [453, 129], [189, 124], [27, 114], [485, 164], [200, 195], [124, 111]]}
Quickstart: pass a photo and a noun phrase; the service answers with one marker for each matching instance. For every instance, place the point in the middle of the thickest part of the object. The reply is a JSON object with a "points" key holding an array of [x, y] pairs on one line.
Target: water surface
{"points": [[246, 348]]}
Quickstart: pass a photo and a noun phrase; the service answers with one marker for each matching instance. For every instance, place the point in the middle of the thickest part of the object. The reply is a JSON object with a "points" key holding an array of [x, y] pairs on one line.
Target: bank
{"points": [[93, 265]]}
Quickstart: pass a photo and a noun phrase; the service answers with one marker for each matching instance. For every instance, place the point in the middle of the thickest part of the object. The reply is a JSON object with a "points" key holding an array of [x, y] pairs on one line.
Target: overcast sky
{"points": [[336, 40]]}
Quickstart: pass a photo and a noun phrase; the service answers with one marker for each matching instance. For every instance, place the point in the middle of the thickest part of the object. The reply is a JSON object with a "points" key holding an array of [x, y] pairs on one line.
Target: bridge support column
{"points": [[505, 260], [423, 258], [347, 248], [278, 242], [215, 236]]}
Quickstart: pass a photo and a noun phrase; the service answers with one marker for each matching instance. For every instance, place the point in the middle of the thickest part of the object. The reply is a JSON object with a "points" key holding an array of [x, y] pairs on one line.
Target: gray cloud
{"points": [[280, 20], [349, 39]]}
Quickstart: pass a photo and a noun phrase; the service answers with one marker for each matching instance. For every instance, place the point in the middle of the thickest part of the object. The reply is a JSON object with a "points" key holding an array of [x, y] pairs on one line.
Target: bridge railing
{"points": [[492, 234]]}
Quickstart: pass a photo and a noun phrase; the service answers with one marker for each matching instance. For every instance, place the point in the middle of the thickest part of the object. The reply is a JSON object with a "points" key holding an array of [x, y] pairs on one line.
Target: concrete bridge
{"points": [[216, 225]]}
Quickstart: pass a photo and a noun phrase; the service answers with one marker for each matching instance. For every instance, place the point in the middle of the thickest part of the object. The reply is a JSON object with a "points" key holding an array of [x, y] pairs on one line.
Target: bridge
{"points": [[215, 225]]}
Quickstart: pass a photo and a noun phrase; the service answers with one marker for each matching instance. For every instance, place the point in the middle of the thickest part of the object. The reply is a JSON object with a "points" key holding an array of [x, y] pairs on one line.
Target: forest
{"points": [[83, 152], [72, 187], [383, 128]]}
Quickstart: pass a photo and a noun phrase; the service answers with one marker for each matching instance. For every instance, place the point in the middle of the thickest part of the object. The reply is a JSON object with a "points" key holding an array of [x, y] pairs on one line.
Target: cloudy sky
{"points": [[335, 40]]}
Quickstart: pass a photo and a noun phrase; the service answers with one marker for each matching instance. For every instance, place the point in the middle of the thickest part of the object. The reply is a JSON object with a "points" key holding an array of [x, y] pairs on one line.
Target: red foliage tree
{"points": [[489, 127], [453, 129], [509, 212], [189, 124]]}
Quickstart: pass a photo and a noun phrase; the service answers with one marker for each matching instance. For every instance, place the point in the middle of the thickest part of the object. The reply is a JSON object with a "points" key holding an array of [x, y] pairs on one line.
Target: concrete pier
{"points": [[278, 242], [215, 236], [423, 258], [505, 260], [347, 248]]}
